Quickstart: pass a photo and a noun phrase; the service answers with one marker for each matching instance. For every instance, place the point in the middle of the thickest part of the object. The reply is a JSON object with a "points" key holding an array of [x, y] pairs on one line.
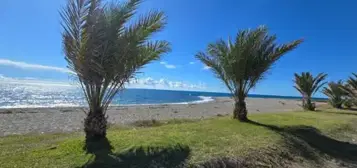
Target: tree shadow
{"points": [[350, 109], [341, 112], [225, 162], [322, 108], [307, 139], [97, 146], [143, 157]]}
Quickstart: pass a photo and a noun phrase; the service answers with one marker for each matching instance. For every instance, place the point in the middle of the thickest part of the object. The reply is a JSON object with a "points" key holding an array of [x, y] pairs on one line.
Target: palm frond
{"points": [[318, 82], [217, 69], [77, 32], [145, 27], [152, 51]]}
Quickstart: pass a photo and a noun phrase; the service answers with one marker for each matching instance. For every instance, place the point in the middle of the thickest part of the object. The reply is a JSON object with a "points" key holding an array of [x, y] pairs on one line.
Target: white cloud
{"points": [[33, 81], [151, 83], [206, 67], [25, 65], [191, 63], [144, 83], [167, 65]]}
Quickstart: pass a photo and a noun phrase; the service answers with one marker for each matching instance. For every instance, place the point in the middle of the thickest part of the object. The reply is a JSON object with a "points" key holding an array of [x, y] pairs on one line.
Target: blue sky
{"points": [[30, 41]]}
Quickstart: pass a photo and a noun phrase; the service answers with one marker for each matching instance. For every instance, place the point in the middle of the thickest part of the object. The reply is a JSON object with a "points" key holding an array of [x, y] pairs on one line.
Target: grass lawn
{"points": [[294, 139]]}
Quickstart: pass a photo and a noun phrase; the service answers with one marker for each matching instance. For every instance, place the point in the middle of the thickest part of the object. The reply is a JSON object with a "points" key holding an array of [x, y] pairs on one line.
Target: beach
{"points": [[69, 119]]}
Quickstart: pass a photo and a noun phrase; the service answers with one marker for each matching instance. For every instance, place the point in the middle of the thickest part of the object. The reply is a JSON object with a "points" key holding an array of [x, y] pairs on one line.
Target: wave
{"points": [[24, 106], [203, 99]]}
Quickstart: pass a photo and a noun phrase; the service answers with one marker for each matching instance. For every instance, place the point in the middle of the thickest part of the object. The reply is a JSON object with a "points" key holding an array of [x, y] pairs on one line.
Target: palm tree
{"points": [[336, 94], [351, 87], [349, 102], [105, 49], [308, 85], [242, 63]]}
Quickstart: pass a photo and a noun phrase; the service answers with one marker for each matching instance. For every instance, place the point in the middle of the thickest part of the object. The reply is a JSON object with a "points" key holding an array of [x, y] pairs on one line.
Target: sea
{"points": [[23, 95]]}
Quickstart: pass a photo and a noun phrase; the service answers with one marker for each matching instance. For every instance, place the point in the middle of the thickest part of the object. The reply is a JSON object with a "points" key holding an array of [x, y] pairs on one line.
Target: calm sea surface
{"points": [[15, 95]]}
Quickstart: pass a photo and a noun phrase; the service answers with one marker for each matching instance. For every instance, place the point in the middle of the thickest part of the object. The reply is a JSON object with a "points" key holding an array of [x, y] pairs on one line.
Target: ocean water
{"points": [[17, 95]]}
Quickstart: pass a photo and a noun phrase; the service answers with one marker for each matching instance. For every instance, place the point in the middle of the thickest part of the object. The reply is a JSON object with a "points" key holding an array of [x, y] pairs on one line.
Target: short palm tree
{"points": [[336, 94], [349, 102], [351, 87], [242, 63], [308, 85], [105, 49]]}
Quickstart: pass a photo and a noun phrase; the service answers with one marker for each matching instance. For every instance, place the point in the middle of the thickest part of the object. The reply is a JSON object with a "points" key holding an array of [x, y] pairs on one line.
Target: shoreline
{"points": [[205, 99], [69, 119]]}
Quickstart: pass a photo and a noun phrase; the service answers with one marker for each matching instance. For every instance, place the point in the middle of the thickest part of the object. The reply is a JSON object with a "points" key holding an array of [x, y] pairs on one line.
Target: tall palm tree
{"points": [[336, 93], [308, 85], [105, 49], [242, 63]]}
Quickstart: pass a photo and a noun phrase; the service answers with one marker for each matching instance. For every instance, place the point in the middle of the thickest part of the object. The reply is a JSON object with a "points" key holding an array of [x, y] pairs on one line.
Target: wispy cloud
{"points": [[24, 65], [165, 84], [145, 83], [206, 67], [33, 81], [167, 65], [191, 63]]}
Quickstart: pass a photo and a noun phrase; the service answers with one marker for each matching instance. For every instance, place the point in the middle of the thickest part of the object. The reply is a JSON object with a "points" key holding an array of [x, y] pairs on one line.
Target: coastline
{"points": [[68, 119], [204, 99]]}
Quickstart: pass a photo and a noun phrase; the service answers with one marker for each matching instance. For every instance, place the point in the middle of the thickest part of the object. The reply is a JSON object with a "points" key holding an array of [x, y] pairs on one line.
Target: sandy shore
{"points": [[44, 120]]}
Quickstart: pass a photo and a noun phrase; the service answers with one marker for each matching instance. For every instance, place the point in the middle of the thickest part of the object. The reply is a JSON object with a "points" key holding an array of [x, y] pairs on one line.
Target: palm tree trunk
{"points": [[95, 124], [307, 104], [95, 128], [304, 102], [240, 110]]}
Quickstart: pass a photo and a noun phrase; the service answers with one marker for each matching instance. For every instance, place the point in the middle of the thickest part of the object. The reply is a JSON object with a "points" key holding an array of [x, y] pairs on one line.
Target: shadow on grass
{"points": [[351, 109], [157, 123], [348, 112], [225, 162], [146, 157], [97, 146], [306, 139]]}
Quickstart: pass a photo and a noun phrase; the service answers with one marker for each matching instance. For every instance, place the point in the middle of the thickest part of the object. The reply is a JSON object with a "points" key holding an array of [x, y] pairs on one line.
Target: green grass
{"points": [[206, 139]]}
